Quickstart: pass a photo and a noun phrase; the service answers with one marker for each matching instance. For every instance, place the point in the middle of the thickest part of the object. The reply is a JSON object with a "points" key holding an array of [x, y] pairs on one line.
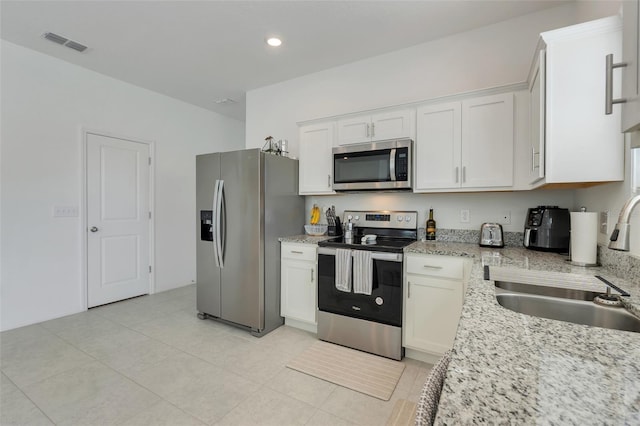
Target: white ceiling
{"points": [[203, 51]]}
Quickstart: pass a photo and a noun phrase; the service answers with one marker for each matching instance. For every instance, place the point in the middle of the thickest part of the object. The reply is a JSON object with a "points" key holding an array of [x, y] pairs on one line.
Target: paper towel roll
{"points": [[584, 237]]}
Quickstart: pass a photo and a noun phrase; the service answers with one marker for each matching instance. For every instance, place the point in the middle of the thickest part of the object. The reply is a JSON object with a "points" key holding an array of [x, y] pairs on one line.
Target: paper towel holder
{"points": [[582, 264]]}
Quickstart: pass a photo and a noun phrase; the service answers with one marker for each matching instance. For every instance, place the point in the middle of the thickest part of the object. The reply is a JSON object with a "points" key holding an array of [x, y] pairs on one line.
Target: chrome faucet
{"points": [[619, 239]]}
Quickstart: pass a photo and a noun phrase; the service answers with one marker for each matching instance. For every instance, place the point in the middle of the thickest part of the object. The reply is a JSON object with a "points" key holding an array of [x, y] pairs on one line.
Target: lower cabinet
{"points": [[298, 284], [434, 291]]}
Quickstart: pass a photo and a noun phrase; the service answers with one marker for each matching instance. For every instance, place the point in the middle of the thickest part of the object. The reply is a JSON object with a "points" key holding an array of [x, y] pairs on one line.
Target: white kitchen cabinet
{"points": [[438, 145], [465, 145], [298, 284], [315, 167], [535, 163], [434, 291], [376, 127], [631, 72], [580, 143]]}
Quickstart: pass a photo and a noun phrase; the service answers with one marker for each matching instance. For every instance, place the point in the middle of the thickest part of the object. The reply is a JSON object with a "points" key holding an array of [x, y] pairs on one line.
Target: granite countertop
{"points": [[511, 368], [304, 239]]}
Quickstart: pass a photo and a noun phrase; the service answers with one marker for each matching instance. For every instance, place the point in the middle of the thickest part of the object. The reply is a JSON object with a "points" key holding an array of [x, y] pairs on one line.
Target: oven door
{"points": [[384, 305]]}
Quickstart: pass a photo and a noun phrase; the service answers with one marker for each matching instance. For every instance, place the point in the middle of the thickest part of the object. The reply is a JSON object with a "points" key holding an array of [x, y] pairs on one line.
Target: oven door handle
{"points": [[376, 255]]}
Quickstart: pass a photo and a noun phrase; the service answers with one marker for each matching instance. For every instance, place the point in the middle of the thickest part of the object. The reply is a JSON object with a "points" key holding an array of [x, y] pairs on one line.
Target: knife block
{"points": [[335, 231]]}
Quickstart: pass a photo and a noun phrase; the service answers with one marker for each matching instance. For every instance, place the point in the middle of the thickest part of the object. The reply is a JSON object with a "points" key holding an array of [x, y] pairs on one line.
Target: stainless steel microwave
{"points": [[384, 165]]}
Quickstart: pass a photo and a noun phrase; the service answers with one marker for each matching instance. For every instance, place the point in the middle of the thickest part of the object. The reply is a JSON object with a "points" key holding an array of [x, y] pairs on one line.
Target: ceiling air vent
{"points": [[55, 38], [65, 42], [76, 46]]}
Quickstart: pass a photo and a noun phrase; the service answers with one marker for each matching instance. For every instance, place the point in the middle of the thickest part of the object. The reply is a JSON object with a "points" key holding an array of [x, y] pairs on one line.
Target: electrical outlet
{"points": [[505, 217], [604, 222], [464, 216], [65, 211]]}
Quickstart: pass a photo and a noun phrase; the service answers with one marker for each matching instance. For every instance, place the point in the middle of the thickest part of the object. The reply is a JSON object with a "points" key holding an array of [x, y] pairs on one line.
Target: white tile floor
{"points": [[150, 361]]}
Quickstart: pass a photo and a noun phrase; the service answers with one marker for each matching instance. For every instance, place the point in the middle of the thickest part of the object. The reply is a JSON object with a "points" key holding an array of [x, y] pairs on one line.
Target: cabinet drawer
{"points": [[299, 251], [436, 266]]}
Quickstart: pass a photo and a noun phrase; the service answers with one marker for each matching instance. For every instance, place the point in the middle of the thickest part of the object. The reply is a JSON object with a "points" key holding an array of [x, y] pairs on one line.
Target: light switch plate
{"points": [[65, 211]]}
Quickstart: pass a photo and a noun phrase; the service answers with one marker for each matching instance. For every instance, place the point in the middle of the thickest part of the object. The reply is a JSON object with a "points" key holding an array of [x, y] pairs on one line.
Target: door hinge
{"points": [[149, 268], [149, 160], [149, 215]]}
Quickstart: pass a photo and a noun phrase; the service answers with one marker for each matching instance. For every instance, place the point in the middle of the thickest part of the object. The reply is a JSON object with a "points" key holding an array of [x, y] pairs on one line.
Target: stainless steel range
{"points": [[360, 282]]}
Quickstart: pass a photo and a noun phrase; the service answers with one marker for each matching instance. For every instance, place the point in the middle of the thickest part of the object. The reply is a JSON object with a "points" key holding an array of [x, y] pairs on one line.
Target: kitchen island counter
{"points": [[511, 368]]}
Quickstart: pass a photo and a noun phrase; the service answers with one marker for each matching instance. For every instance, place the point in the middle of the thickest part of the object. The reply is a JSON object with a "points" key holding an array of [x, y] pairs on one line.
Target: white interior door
{"points": [[117, 219]]}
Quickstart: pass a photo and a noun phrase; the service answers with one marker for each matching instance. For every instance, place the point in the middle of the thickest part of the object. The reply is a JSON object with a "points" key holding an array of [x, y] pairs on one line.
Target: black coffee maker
{"points": [[546, 228]]}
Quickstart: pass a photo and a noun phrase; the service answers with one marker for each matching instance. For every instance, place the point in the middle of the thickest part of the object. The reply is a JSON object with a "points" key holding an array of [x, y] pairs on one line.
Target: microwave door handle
{"points": [[392, 164]]}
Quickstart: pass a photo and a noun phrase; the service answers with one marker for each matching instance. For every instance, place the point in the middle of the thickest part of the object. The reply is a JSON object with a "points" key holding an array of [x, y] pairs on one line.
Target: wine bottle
{"points": [[431, 227]]}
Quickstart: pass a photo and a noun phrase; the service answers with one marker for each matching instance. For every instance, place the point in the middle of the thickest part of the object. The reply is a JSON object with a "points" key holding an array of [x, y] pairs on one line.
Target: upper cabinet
{"points": [[465, 145], [316, 142], [376, 127], [572, 139], [535, 163], [631, 72]]}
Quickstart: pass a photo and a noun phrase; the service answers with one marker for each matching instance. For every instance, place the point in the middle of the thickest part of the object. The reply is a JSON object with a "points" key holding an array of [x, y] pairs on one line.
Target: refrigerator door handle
{"points": [[217, 199], [215, 227], [222, 221]]}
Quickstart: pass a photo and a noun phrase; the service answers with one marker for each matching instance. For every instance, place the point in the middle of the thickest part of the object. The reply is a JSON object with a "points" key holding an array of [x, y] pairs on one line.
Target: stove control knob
{"points": [[407, 218], [379, 301], [399, 218], [357, 218]]}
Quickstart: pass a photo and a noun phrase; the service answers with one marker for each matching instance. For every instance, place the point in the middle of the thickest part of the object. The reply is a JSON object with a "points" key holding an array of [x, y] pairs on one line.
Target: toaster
{"points": [[491, 235]]}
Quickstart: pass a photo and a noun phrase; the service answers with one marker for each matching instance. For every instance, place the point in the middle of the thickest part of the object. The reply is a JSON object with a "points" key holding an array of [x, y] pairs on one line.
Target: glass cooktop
{"points": [[381, 244]]}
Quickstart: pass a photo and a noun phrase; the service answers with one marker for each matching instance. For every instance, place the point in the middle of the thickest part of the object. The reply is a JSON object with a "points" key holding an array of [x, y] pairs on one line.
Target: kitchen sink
{"points": [[562, 304]]}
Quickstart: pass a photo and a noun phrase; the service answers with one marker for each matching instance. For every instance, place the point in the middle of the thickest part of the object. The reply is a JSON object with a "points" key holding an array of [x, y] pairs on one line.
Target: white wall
{"points": [[611, 197], [492, 56], [483, 207], [496, 55], [45, 103]]}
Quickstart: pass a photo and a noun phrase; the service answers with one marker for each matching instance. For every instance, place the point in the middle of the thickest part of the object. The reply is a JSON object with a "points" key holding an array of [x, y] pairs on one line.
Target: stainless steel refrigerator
{"points": [[245, 201]]}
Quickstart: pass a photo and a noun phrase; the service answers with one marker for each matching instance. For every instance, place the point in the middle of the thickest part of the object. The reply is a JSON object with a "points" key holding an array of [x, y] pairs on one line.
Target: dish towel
{"points": [[343, 270], [362, 272]]}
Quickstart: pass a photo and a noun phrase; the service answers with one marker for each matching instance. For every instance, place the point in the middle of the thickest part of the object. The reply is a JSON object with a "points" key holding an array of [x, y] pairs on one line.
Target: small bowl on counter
{"points": [[316, 229]]}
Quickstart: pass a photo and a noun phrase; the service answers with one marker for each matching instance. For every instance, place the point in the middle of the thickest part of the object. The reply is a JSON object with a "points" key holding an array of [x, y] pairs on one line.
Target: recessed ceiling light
{"points": [[274, 41]]}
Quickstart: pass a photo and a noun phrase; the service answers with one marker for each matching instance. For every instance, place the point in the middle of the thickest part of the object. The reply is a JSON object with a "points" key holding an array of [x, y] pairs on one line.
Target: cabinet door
{"points": [[316, 142], [298, 290], [437, 147], [631, 73], [582, 143], [392, 125], [536, 111], [354, 130], [487, 141], [433, 309]]}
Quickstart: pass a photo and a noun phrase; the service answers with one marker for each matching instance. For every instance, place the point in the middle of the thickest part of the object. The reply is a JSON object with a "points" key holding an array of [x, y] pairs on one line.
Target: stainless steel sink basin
{"points": [[564, 305]]}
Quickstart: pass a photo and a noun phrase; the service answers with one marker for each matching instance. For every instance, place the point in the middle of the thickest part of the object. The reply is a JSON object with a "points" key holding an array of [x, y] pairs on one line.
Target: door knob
{"points": [[94, 229]]}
